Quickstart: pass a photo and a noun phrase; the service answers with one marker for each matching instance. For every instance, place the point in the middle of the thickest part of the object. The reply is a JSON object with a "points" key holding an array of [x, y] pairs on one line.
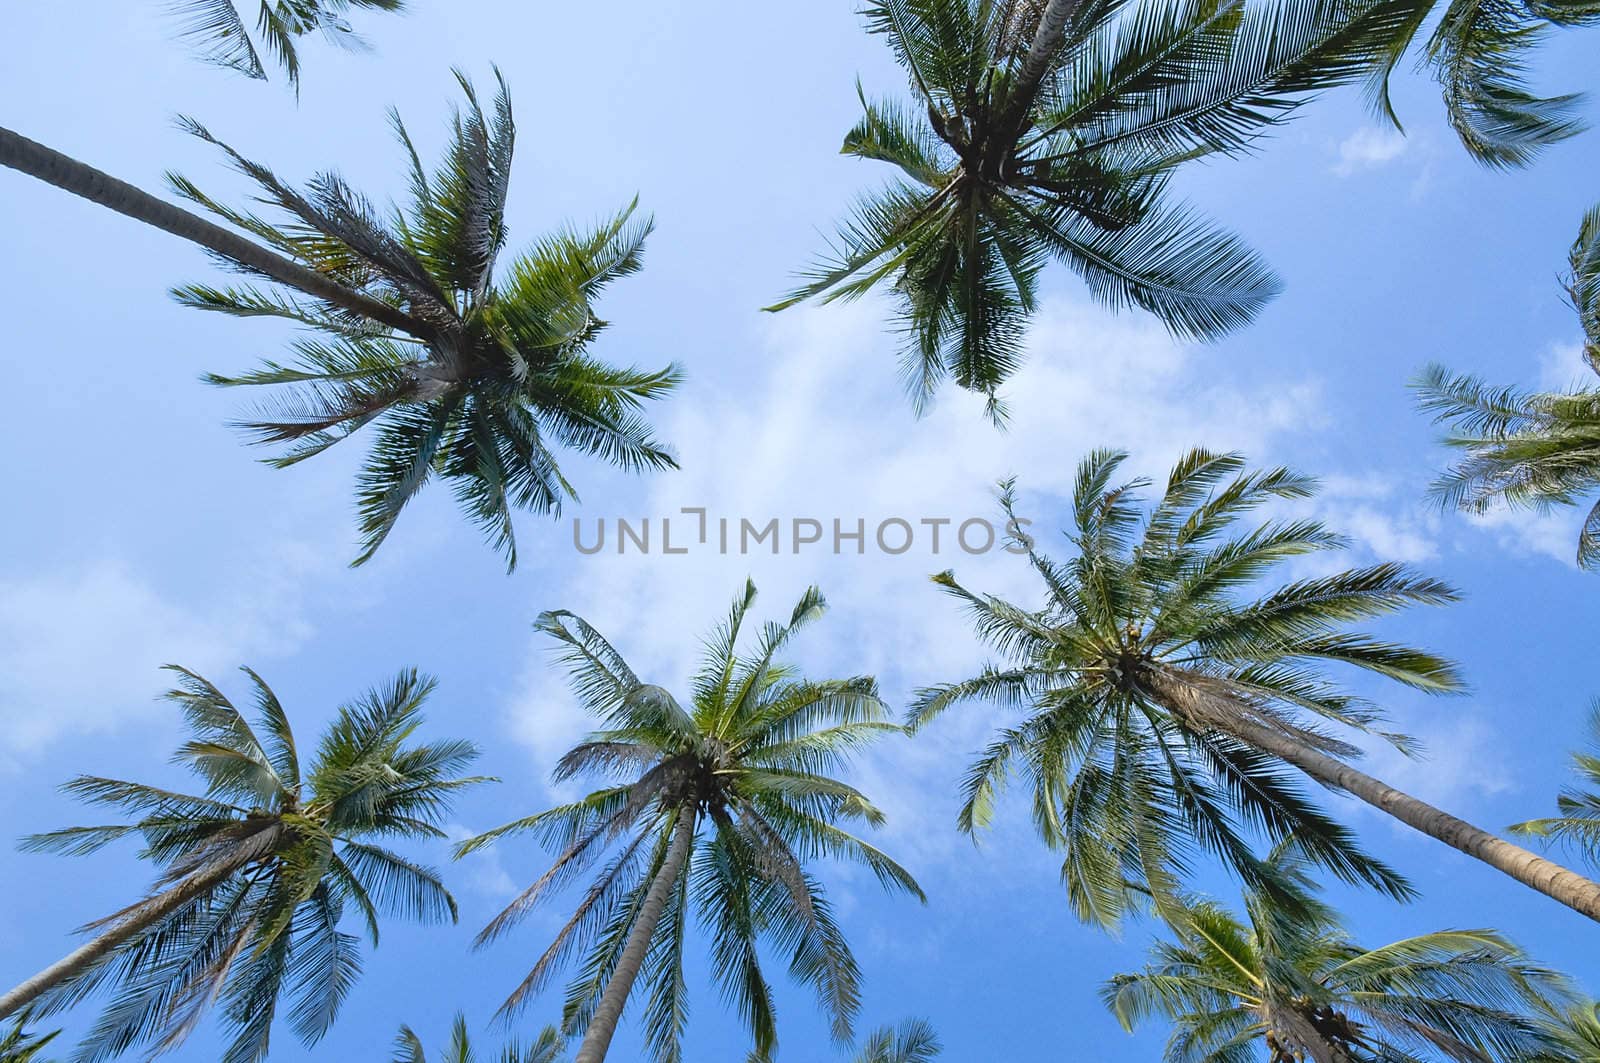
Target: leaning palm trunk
{"points": [[603, 1027], [1199, 700], [81, 179], [124, 926]]}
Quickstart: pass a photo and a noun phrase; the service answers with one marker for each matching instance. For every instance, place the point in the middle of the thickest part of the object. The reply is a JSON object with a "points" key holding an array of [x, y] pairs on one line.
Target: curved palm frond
{"points": [[220, 33], [1523, 449]]}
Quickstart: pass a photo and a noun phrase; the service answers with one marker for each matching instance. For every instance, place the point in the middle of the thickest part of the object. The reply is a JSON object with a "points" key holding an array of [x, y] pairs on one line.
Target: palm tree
{"points": [[1295, 984], [1044, 129], [546, 1048], [19, 1046], [750, 762], [1578, 825], [462, 377], [1162, 701], [1528, 449], [259, 870], [913, 1042], [217, 30], [1478, 53]]}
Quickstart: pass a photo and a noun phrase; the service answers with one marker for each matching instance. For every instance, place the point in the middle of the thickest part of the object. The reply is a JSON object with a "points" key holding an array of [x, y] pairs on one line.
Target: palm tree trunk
{"points": [[1187, 701], [1046, 42], [81, 179], [137, 919], [603, 1027]]}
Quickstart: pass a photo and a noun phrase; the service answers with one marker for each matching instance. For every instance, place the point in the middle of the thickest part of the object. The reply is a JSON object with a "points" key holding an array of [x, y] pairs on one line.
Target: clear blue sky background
{"points": [[139, 530]]}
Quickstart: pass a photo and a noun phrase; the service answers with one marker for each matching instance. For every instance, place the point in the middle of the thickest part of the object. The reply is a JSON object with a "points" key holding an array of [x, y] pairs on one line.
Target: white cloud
{"points": [[1562, 368], [1368, 149], [823, 432], [1552, 533], [482, 870], [1386, 520], [1461, 763], [79, 650]]}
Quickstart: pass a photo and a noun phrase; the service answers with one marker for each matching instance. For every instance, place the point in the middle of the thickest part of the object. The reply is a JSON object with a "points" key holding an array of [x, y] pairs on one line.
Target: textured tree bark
{"points": [[1187, 700], [603, 1027], [81, 179], [1046, 42], [146, 915]]}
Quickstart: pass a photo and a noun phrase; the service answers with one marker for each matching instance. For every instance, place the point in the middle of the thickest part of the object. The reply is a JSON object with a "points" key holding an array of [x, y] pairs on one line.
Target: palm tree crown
{"points": [[218, 30], [750, 761], [1293, 986], [1529, 449], [264, 864], [465, 376], [1042, 130], [1126, 783], [546, 1048]]}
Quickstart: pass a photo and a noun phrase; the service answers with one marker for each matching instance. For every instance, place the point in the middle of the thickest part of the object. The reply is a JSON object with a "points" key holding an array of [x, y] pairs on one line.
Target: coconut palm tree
{"points": [[465, 373], [719, 807], [1578, 825], [1042, 129], [1478, 53], [19, 1046], [546, 1048], [218, 31], [258, 870], [1164, 691], [912, 1042], [1293, 987], [1528, 449]]}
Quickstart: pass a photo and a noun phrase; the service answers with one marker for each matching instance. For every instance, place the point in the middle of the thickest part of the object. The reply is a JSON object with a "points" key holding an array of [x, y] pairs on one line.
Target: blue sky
{"points": [[140, 530]]}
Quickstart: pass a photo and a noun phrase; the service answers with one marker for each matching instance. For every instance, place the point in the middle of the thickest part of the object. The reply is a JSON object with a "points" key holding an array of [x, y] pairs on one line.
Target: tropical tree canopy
{"points": [[1049, 129], [218, 30], [546, 1048], [1528, 449], [1478, 53], [1130, 782], [468, 376], [287, 845], [1293, 986], [719, 806], [1578, 824]]}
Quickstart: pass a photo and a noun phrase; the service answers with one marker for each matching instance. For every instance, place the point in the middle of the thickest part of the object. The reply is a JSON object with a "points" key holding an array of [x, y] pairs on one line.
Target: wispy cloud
{"points": [[1368, 148], [80, 649]]}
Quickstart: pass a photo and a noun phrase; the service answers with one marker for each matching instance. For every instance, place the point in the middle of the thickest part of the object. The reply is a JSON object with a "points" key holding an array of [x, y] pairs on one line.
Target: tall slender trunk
{"points": [[1046, 43], [138, 919], [603, 1027], [1187, 700], [81, 179]]}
